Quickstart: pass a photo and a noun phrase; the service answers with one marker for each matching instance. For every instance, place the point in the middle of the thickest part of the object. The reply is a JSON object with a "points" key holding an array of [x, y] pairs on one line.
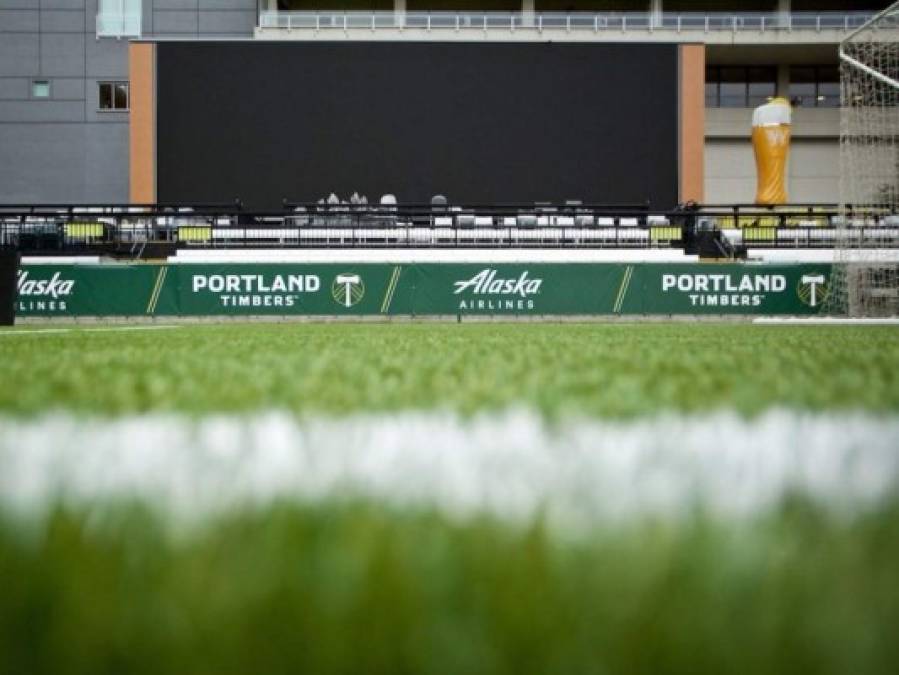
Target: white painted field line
{"points": [[826, 321], [514, 464], [32, 331]]}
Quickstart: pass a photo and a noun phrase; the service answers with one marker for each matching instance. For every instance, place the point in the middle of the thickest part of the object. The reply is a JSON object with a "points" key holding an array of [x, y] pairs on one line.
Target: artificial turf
{"points": [[602, 370], [349, 585], [359, 588]]}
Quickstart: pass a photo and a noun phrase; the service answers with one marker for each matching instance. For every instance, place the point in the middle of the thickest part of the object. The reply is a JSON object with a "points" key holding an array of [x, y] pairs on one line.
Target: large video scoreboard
{"points": [[476, 122]]}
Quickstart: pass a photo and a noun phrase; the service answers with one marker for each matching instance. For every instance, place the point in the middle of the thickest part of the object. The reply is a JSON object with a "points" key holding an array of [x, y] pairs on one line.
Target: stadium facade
{"points": [[86, 115]]}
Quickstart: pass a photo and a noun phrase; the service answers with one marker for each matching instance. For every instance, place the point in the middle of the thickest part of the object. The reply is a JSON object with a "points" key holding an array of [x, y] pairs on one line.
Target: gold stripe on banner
{"points": [[622, 289], [391, 289], [396, 283], [157, 288], [388, 293], [165, 272], [627, 286], [153, 292]]}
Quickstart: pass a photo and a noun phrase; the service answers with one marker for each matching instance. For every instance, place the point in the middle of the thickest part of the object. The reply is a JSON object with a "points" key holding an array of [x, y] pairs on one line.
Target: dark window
{"points": [[815, 86], [120, 98], [837, 5], [828, 87], [711, 93], [718, 6], [711, 86], [739, 86], [762, 85], [732, 88], [828, 95], [105, 96], [802, 86], [113, 95]]}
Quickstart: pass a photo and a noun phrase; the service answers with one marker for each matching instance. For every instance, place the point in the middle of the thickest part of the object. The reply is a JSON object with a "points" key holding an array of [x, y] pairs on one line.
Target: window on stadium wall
{"points": [[335, 5], [735, 6], [815, 86], [591, 6], [473, 6], [739, 86], [838, 5]]}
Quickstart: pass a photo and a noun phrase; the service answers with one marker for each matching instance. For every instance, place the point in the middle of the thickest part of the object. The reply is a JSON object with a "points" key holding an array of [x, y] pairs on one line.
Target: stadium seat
{"points": [[759, 233], [633, 236], [84, 231], [194, 234], [664, 233]]}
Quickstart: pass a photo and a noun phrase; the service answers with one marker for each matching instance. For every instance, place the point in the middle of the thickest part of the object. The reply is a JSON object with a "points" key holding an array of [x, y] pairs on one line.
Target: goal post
{"points": [[866, 272]]}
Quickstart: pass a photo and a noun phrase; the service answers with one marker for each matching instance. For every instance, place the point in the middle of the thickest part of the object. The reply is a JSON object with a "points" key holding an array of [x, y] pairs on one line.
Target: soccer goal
{"points": [[866, 276]]}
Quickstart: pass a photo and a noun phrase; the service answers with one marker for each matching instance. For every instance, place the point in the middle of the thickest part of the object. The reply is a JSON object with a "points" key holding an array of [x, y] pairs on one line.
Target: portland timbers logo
{"points": [[812, 289], [347, 289]]}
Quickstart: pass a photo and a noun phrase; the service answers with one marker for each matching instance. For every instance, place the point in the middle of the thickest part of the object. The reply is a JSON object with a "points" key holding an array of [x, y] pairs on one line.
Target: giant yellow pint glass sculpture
{"points": [[771, 143]]}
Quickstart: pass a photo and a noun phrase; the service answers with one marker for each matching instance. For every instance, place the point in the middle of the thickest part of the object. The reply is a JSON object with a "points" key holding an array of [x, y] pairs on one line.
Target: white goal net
{"points": [[866, 276]]}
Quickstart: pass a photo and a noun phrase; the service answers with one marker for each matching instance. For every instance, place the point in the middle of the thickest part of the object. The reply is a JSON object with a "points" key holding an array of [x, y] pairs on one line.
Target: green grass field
{"points": [[348, 581], [603, 370]]}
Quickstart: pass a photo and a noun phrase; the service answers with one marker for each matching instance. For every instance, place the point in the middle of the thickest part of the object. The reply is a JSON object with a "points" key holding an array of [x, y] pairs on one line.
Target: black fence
{"points": [[154, 230]]}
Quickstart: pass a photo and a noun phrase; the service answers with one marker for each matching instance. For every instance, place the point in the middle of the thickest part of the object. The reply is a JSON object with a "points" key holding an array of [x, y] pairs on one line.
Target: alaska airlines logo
{"points": [[486, 282], [54, 287]]}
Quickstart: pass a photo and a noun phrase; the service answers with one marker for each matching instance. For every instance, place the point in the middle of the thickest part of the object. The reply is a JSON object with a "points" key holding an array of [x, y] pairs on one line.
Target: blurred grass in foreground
{"points": [[362, 588], [616, 370]]}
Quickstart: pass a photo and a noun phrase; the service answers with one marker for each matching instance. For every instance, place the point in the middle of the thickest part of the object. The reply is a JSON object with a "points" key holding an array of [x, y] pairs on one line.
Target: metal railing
{"points": [[622, 22], [118, 24], [157, 230]]}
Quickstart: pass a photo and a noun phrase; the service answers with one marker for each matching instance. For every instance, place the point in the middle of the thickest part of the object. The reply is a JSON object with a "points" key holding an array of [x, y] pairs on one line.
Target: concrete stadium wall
{"points": [[813, 174], [63, 148], [60, 148]]}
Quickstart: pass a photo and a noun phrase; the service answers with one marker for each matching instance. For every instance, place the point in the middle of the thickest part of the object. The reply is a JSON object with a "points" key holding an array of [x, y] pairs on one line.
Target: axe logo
{"points": [[813, 289], [347, 289]]}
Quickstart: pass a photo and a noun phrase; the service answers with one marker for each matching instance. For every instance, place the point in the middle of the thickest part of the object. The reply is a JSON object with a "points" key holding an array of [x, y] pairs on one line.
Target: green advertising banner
{"points": [[507, 289], [85, 290], [277, 289], [283, 289], [707, 288]]}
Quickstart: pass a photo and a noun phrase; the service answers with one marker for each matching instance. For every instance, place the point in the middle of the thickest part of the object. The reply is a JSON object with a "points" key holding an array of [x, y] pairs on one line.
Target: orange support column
{"points": [[142, 124], [691, 143]]}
